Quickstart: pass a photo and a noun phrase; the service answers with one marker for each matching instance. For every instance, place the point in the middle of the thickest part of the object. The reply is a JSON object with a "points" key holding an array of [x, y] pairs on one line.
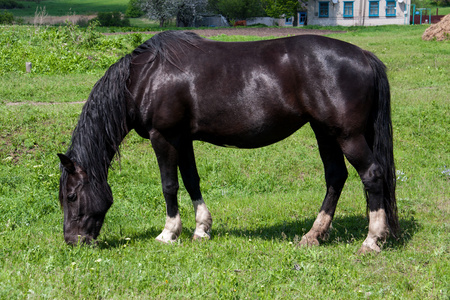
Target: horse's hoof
{"points": [[201, 236], [166, 238], [306, 242], [169, 242], [366, 250]]}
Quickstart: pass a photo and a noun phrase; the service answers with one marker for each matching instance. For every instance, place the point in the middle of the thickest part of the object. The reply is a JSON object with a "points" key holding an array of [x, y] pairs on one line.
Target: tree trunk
{"points": [[295, 22]]}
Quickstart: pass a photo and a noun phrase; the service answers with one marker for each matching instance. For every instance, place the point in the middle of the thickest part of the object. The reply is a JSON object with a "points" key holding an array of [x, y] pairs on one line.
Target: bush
{"points": [[6, 17], [134, 9], [109, 19], [9, 4]]}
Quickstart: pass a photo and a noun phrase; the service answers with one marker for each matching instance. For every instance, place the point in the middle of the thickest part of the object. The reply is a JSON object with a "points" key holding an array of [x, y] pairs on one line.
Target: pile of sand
{"points": [[439, 31]]}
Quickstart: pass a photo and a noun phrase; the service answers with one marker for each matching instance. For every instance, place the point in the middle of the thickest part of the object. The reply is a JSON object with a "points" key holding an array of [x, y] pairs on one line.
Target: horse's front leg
{"points": [[167, 157], [191, 181]]}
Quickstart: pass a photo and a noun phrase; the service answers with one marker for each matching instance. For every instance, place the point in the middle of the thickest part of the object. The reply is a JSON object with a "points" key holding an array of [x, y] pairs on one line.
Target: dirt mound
{"points": [[439, 31]]}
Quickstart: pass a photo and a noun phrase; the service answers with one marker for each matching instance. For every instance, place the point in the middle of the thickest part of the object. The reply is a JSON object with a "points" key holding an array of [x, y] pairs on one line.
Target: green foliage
{"points": [[136, 39], [58, 50], [67, 7], [108, 19], [10, 4], [6, 17], [134, 9], [442, 2], [238, 9], [278, 8], [431, 3]]}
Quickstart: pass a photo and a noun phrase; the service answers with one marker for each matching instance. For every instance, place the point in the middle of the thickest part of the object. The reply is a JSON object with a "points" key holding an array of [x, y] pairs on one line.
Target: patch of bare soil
{"points": [[277, 32], [439, 31]]}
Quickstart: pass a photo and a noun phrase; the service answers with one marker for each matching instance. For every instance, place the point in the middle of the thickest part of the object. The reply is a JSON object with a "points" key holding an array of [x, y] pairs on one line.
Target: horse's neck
{"points": [[96, 141]]}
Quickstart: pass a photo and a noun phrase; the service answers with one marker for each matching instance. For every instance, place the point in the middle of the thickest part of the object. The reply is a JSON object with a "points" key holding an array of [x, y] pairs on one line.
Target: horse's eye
{"points": [[72, 197]]}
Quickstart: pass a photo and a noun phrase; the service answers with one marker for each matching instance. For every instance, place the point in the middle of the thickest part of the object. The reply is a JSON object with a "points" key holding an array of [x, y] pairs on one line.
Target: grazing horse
{"points": [[178, 87]]}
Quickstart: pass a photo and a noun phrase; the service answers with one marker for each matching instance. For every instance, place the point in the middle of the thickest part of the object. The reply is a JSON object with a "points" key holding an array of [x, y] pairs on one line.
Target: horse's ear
{"points": [[67, 163]]}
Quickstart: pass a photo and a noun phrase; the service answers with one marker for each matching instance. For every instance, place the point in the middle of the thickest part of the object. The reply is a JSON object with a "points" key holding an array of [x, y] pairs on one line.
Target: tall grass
{"points": [[262, 201]]}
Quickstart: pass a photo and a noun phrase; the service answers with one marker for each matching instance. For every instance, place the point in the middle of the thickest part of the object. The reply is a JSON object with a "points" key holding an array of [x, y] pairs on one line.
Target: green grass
{"points": [[261, 200], [67, 7]]}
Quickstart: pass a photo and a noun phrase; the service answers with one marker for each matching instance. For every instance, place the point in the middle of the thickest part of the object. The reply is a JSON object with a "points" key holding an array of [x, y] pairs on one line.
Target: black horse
{"points": [[178, 87]]}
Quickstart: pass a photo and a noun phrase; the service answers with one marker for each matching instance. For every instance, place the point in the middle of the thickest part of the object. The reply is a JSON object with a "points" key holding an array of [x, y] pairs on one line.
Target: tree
{"points": [[186, 11], [279, 8], [238, 9], [161, 10], [134, 9], [189, 11]]}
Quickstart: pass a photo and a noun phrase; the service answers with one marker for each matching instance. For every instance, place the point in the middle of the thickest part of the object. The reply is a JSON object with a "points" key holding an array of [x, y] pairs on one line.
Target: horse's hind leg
{"points": [[361, 157], [167, 158], [191, 181], [335, 177]]}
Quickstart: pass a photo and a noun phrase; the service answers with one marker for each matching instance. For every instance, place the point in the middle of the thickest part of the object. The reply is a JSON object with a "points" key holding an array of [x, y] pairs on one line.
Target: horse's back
{"points": [[250, 94]]}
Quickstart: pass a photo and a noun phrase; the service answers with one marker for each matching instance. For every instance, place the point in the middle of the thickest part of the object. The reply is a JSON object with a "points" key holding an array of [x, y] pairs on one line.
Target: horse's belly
{"points": [[237, 135]]}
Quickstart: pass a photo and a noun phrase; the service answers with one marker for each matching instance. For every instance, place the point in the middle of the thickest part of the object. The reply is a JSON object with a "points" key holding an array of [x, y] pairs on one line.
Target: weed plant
{"points": [[261, 200], [59, 50]]}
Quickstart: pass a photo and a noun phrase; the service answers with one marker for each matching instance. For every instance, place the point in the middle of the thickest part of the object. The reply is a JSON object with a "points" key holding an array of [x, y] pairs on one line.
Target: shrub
{"points": [[134, 9], [9, 4], [112, 19], [6, 17]]}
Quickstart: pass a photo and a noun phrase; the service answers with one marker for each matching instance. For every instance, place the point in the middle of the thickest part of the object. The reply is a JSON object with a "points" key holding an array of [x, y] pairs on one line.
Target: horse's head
{"points": [[84, 203]]}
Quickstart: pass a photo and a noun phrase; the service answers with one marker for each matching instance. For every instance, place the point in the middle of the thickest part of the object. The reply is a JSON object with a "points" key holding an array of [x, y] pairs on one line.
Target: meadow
{"points": [[67, 7], [262, 201]]}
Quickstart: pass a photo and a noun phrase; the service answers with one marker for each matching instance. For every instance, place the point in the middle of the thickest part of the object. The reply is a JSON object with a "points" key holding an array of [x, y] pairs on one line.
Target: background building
{"points": [[358, 12]]}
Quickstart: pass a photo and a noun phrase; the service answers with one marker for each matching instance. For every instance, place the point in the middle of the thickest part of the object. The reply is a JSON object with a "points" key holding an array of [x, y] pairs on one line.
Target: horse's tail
{"points": [[380, 138]]}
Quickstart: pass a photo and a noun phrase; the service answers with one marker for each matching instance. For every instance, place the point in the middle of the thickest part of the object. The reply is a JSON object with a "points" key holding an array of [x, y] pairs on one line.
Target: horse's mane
{"points": [[102, 123], [168, 45]]}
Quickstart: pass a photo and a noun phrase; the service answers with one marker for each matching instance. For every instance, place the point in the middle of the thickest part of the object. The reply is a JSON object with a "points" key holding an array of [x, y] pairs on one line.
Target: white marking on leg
{"points": [[322, 224], [378, 230], [318, 230], [171, 231], [203, 220]]}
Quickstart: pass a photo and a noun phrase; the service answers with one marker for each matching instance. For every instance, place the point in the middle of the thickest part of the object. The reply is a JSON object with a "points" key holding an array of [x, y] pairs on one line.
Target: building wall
{"points": [[360, 15]]}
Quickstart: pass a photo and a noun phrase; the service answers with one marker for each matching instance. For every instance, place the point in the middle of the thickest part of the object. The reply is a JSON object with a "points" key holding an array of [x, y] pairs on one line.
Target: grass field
{"points": [[67, 7], [261, 200]]}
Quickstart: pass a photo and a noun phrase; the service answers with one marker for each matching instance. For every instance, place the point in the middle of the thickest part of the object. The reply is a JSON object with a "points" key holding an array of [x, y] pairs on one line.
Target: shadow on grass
{"points": [[347, 229], [117, 240]]}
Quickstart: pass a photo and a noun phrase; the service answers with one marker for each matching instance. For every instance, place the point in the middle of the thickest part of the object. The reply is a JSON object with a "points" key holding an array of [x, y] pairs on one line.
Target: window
{"points": [[348, 9], [323, 9], [374, 8], [301, 18], [288, 21], [390, 9]]}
